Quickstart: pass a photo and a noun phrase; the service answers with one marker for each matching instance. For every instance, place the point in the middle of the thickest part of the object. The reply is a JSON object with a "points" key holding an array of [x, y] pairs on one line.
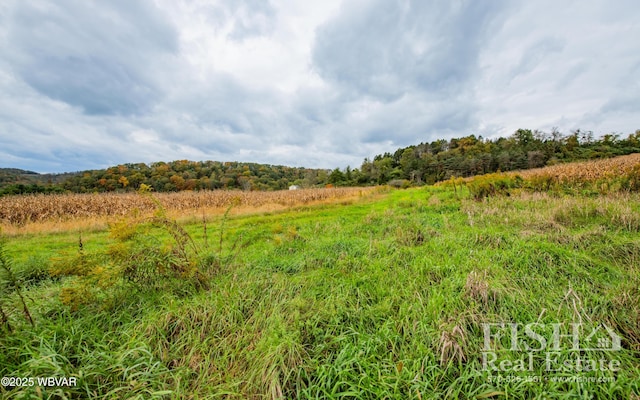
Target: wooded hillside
{"points": [[425, 163]]}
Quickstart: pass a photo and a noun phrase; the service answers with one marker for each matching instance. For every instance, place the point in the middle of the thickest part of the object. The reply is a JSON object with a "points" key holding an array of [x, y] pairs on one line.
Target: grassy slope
{"points": [[379, 298]]}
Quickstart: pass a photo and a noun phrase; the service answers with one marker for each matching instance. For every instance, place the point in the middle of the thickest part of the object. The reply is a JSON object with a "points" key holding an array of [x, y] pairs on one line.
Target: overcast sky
{"points": [[90, 84]]}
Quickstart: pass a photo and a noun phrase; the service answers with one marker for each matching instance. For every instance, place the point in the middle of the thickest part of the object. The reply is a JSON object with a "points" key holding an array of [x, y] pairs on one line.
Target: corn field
{"points": [[612, 175], [587, 171], [22, 209]]}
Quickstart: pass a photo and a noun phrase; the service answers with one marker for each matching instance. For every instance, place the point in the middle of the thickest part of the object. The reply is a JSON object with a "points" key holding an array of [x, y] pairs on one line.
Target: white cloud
{"points": [[317, 84], [559, 64]]}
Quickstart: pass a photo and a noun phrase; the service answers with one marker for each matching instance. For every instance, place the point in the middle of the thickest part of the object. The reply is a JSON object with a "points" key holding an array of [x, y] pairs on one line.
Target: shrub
{"points": [[400, 183], [541, 183], [140, 256], [34, 271], [484, 186]]}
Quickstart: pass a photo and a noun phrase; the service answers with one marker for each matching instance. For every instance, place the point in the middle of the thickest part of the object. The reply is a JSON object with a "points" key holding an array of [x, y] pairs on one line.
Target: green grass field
{"points": [[397, 295]]}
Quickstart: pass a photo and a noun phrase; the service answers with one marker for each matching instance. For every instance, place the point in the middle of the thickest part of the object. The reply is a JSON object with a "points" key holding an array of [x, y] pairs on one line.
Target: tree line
{"points": [[425, 163], [194, 175]]}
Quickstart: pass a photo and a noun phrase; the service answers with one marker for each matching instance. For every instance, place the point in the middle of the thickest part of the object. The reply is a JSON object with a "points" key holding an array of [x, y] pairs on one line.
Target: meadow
{"points": [[381, 293]]}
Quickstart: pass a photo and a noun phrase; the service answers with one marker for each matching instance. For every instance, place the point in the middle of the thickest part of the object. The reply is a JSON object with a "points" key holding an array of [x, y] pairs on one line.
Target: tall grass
{"points": [[380, 298]]}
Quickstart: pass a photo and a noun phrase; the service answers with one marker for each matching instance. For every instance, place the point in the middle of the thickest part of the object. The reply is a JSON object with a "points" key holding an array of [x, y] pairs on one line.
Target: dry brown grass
{"points": [[50, 213], [569, 173], [452, 345], [586, 171], [477, 288]]}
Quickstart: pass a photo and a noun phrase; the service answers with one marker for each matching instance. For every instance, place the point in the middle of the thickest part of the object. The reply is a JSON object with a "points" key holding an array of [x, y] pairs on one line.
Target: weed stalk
{"points": [[5, 264]]}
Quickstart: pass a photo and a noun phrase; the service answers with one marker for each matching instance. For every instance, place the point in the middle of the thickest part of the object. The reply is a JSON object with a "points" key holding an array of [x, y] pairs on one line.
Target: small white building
{"points": [[294, 187]]}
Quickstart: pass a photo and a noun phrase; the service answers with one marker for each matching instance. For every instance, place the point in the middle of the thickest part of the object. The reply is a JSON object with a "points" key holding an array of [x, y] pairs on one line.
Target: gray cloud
{"points": [[622, 104], [416, 60], [385, 49], [539, 52], [98, 86], [101, 60]]}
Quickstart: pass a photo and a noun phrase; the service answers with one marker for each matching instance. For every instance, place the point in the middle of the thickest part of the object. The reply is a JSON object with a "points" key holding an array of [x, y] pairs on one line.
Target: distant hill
{"points": [[15, 172], [195, 175], [19, 181], [164, 177]]}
